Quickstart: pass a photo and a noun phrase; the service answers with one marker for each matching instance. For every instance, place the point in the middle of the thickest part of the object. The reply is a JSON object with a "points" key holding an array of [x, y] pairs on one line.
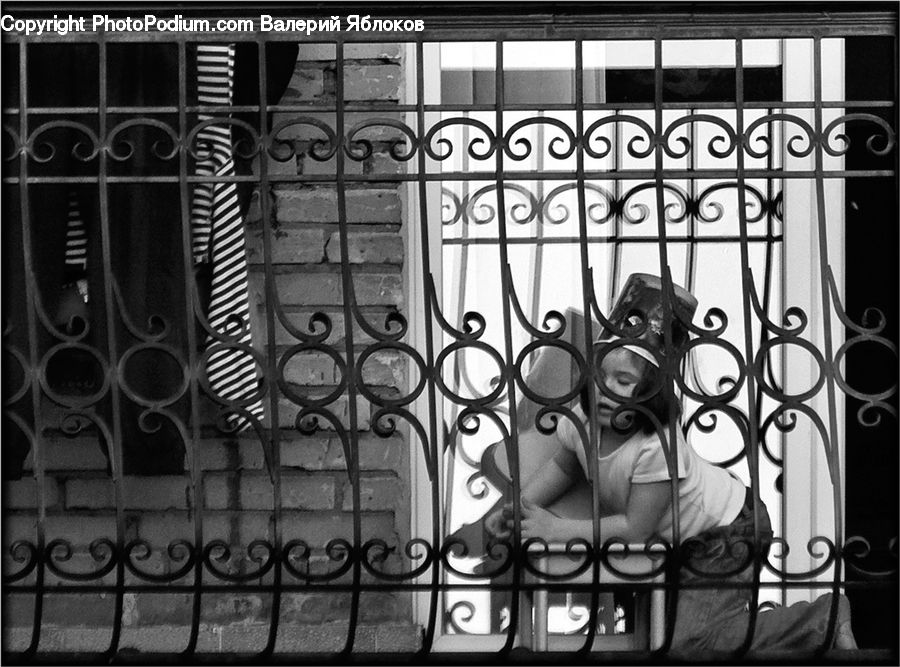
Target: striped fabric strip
{"points": [[76, 235], [218, 236]]}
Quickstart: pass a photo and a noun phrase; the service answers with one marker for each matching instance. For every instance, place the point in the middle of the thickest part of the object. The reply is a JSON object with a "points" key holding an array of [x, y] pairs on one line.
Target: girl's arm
{"points": [[552, 479], [547, 484], [647, 504]]}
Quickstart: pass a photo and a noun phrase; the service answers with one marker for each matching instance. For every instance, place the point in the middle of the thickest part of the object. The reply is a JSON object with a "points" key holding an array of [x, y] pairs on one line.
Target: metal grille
{"points": [[759, 146]]}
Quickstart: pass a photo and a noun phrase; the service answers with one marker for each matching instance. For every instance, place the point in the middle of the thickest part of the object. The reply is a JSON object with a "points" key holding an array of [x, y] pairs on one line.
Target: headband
{"points": [[642, 352]]}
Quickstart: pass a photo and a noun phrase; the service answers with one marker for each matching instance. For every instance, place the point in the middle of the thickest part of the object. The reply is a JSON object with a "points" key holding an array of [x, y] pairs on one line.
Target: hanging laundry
{"points": [[218, 237]]}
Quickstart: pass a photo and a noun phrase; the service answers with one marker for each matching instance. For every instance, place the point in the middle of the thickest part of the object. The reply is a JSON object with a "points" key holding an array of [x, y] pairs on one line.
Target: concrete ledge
{"points": [[237, 638]]}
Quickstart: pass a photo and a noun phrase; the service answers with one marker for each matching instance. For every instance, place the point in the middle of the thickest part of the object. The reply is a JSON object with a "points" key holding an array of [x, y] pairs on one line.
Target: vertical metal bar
{"points": [[691, 221], [537, 264], [832, 452], [670, 368], [618, 143], [509, 358], [586, 291], [35, 370], [783, 290], [433, 446], [747, 285], [116, 445], [188, 263], [768, 262], [271, 356], [352, 380]]}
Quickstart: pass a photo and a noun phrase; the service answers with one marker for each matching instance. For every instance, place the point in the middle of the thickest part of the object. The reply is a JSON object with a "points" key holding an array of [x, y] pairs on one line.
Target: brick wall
{"points": [[236, 503]]}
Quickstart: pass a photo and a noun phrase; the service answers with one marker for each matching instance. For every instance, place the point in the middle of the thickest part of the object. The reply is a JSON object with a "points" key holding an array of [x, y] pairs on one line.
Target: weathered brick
{"points": [[305, 131], [253, 215], [340, 408], [312, 607], [385, 368], [154, 493], [18, 610], [156, 562], [318, 528], [94, 609], [382, 162], [223, 491], [162, 528], [375, 493], [234, 607], [90, 639], [377, 453], [319, 204], [235, 637], [301, 491], [300, 317], [18, 526], [375, 248], [242, 526], [81, 562], [294, 128], [306, 85], [323, 452], [311, 368], [164, 638], [90, 494], [80, 529], [284, 162], [375, 129], [229, 454], [372, 82], [379, 162], [255, 491], [312, 167], [313, 288], [62, 453], [157, 492], [398, 637], [379, 525], [148, 609], [304, 452], [23, 493], [325, 638], [290, 245], [315, 51], [373, 50], [327, 607]]}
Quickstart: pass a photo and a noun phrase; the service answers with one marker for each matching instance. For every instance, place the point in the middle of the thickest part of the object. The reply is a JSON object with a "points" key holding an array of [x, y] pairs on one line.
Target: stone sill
{"points": [[236, 638]]}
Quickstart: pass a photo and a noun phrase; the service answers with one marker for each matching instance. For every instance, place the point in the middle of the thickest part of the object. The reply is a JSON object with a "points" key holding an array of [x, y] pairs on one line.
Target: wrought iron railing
{"points": [[605, 155]]}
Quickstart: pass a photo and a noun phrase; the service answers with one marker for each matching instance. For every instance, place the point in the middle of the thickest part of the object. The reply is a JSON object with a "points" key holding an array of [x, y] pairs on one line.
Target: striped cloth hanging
{"points": [[218, 236], [76, 237]]}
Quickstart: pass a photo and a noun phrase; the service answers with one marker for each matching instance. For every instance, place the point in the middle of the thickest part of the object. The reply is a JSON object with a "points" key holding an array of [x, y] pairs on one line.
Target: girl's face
{"points": [[620, 373]]}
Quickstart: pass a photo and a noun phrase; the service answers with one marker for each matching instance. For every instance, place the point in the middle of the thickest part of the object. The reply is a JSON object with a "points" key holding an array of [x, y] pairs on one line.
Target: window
{"points": [[529, 230]]}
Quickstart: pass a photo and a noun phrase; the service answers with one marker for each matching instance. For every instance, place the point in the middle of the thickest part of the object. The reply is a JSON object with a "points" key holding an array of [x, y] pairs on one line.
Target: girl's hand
{"points": [[499, 522], [538, 522]]}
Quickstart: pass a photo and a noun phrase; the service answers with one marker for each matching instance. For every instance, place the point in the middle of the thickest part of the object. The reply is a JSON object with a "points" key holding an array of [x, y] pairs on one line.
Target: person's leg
{"points": [[804, 625], [718, 619], [800, 626], [707, 617]]}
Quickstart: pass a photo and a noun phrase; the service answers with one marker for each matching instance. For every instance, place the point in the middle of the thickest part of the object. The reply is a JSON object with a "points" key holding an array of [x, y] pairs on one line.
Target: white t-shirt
{"points": [[708, 496]]}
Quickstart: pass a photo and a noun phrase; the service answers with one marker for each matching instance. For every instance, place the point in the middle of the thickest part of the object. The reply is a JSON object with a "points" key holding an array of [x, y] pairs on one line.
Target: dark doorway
{"points": [[872, 282]]}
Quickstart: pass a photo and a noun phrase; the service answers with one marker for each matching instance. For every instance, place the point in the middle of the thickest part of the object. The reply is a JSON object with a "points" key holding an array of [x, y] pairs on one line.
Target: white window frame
{"points": [[804, 465]]}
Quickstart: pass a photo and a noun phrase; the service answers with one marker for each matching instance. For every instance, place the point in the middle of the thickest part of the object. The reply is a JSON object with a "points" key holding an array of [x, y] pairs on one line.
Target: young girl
{"points": [[715, 509]]}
